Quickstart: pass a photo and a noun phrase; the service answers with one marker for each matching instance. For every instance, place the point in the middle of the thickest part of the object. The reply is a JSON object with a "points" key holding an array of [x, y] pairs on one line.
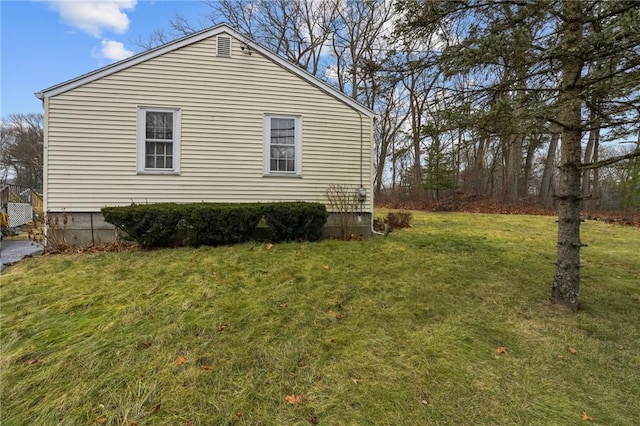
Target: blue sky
{"points": [[43, 43]]}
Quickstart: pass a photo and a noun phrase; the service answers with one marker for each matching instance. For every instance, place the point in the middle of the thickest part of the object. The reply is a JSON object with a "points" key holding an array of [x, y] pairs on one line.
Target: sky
{"points": [[46, 42]]}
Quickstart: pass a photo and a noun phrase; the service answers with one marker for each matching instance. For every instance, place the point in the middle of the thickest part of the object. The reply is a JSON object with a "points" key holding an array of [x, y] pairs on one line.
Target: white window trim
{"points": [[297, 145], [177, 120]]}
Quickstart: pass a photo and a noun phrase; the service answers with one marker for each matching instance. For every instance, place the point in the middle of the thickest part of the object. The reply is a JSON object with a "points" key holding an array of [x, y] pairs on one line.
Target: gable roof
{"points": [[194, 38]]}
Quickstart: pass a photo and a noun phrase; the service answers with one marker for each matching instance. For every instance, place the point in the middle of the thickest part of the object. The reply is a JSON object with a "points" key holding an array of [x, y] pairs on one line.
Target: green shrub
{"points": [[212, 224], [150, 225], [218, 224], [295, 221]]}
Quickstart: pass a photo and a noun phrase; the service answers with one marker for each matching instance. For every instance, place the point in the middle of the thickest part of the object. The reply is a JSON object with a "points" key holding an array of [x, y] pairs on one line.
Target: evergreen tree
{"points": [[575, 56]]}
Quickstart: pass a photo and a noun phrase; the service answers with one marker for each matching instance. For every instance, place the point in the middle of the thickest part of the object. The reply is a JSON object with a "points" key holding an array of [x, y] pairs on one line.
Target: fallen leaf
{"points": [[314, 420], [269, 246], [356, 380], [156, 408], [294, 399], [586, 417], [181, 360], [331, 340], [424, 398], [342, 316], [207, 367], [101, 420], [222, 327], [501, 350], [572, 350], [560, 357], [327, 267], [283, 305], [34, 361]]}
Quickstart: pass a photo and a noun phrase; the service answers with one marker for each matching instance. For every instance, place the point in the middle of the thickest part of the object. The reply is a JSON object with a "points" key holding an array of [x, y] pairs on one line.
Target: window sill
{"points": [[158, 172], [284, 175]]}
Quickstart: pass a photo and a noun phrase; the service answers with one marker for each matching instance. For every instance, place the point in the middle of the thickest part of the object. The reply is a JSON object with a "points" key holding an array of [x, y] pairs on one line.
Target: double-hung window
{"points": [[282, 145], [158, 140]]}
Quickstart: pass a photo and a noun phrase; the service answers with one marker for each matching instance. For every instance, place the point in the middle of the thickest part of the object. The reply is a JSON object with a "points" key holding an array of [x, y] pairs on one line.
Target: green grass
{"points": [[414, 319]]}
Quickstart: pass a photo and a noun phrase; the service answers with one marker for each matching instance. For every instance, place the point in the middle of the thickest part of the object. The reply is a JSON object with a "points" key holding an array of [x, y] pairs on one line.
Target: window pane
{"points": [[283, 131], [159, 125], [282, 159], [159, 155], [168, 147]]}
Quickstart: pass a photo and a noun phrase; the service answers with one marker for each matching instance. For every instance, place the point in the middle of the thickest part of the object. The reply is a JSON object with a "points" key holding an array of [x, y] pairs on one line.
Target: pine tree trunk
{"points": [[590, 155], [566, 284], [382, 160], [479, 170], [514, 165], [595, 203], [546, 186], [528, 167]]}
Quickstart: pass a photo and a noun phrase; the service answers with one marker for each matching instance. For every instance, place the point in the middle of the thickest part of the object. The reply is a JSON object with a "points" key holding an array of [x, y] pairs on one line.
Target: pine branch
{"points": [[608, 161]]}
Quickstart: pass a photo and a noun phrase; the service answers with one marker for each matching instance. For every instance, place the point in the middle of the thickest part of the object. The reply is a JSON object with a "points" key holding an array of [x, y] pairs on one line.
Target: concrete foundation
{"points": [[90, 229], [358, 225], [79, 229]]}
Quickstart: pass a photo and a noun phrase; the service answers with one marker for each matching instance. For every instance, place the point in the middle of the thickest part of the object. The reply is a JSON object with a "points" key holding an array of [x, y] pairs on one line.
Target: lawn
{"points": [[445, 323]]}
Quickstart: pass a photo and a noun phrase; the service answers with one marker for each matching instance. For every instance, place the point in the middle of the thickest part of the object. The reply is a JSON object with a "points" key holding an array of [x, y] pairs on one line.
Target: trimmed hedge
{"points": [[295, 221], [212, 224]]}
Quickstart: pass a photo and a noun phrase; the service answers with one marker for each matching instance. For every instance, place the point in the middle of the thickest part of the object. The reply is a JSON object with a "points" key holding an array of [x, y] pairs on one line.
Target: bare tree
{"points": [[21, 149], [296, 30]]}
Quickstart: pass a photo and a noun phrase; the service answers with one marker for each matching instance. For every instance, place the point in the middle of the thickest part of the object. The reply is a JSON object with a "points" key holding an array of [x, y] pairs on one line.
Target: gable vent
{"points": [[224, 46]]}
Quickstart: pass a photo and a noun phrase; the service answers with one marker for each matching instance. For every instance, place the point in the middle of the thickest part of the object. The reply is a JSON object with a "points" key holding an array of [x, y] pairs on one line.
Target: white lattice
{"points": [[19, 214]]}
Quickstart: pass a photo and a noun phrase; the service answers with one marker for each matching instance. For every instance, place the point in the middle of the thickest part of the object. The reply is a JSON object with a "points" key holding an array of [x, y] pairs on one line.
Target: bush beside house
{"points": [[212, 224]]}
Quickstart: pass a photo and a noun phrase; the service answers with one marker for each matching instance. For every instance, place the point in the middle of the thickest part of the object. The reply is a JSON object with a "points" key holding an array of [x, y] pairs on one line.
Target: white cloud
{"points": [[331, 73], [113, 51], [94, 17]]}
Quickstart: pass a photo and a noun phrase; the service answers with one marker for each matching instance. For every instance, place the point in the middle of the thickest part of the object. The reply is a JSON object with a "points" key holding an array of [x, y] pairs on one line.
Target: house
{"points": [[211, 117]]}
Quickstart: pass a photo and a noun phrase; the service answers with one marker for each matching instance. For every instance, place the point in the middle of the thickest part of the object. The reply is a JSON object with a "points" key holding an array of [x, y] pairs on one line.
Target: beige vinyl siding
{"points": [[92, 131]]}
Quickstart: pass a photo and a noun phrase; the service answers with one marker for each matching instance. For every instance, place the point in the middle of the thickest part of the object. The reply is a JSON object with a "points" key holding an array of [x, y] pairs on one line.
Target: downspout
{"points": [[362, 191], [361, 149]]}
